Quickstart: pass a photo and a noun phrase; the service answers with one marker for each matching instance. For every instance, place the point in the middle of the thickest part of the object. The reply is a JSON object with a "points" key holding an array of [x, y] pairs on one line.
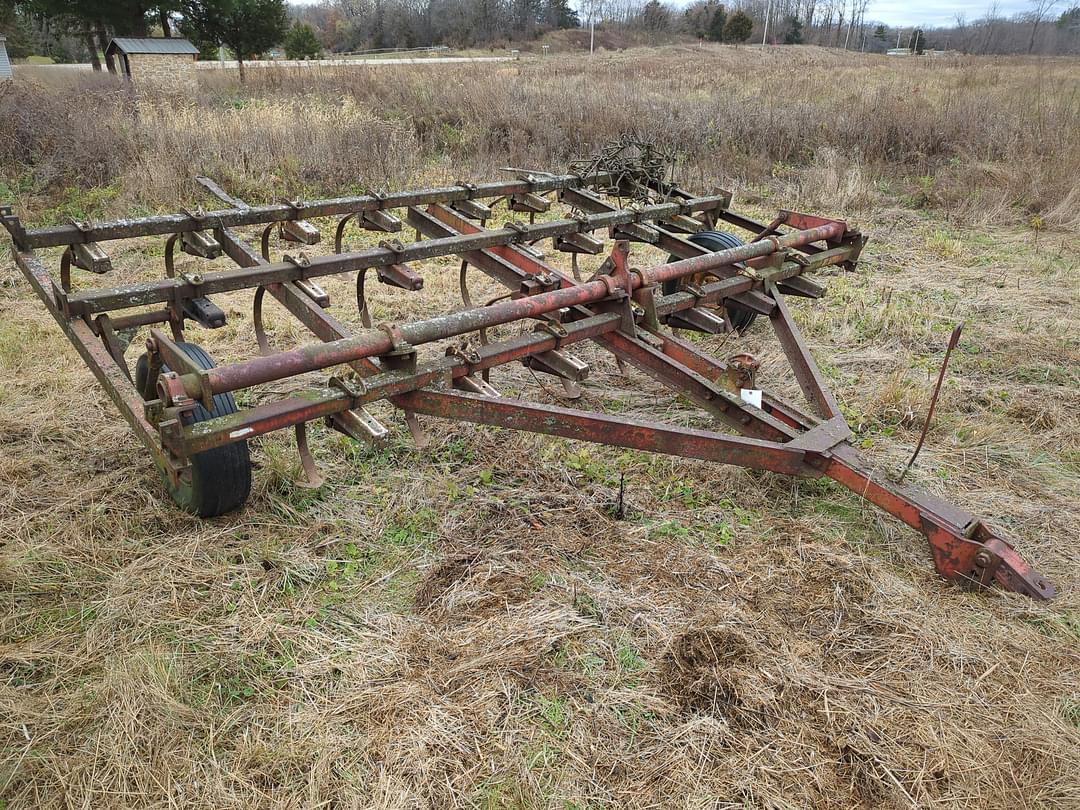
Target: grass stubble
{"points": [[467, 625]]}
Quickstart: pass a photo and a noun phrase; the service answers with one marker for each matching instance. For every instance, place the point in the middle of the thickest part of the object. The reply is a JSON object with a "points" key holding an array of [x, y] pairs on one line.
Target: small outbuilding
{"points": [[5, 63], [167, 63]]}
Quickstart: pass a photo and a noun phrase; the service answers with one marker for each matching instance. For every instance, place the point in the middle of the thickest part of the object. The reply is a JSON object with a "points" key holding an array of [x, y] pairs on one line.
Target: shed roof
{"points": [[160, 45]]}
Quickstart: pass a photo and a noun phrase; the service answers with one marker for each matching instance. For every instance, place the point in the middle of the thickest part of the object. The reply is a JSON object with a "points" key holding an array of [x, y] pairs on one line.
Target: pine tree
{"points": [[654, 17], [559, 14], [716, 25], [301, 42], [738, 27], [246, 27], [793, 34], [917, 41]]}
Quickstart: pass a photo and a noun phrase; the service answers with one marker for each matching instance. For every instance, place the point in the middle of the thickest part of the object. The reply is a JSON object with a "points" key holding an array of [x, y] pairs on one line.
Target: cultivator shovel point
{"points": [[180, 403]]}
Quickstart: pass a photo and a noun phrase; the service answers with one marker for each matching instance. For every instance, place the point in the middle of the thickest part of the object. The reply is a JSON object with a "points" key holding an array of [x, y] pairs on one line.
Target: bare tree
{"points": [[993, 15], [962, 32], [1040, 9], [809, 15]]}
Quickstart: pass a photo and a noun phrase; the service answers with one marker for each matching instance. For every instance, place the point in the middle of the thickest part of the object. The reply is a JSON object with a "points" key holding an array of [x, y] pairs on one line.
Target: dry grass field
{"points": [[467, 625]]}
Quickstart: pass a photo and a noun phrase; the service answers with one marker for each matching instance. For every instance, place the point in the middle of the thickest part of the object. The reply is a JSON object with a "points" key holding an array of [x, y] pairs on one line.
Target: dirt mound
{"points": [[471, 583], [714, 669]]}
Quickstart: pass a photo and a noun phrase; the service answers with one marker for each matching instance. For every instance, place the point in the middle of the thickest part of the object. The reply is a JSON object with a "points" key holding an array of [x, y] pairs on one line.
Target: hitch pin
{"points": [[953, 340]]}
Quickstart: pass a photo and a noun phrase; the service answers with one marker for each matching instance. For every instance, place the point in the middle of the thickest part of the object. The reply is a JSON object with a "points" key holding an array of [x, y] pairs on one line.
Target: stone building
{"points": [[166, 63]]}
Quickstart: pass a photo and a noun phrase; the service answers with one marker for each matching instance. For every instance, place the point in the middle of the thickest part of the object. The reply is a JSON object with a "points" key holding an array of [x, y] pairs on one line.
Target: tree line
{"points": [[79, 30], [1047, 27], [351, 25]]}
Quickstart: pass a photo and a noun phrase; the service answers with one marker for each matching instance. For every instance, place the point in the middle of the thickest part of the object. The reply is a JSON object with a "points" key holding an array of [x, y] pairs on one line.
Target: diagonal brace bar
{"points": [[798, 354], [653, 437]]}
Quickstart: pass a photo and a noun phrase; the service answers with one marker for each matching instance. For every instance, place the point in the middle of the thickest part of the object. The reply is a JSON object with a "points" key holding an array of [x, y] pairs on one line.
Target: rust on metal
{"points": [[439, 366]]}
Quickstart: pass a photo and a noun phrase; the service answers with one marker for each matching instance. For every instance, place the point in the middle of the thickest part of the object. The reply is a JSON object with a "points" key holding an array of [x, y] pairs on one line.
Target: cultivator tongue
{"points": [[180, 404]]}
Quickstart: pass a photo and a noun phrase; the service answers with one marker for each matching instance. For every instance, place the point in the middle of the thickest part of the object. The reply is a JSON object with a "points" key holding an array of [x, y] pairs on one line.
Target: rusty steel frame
{"points": [[619, 308]]}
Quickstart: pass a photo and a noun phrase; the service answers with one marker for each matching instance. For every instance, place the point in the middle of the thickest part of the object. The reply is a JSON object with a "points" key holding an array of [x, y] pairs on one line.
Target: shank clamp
{"points": [[402, 354], [355, 388]]}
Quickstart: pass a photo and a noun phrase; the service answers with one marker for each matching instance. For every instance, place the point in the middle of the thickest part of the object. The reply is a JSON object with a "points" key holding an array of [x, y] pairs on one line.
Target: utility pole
{"points": [[765, 33], [591, 6]]}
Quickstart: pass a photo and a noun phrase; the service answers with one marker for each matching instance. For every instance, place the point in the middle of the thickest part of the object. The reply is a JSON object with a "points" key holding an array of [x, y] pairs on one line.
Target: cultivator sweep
{"points": [[181, 405]]}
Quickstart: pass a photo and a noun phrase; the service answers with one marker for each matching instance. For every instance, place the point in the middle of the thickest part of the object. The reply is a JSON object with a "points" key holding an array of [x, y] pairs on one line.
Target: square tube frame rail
{"points": [[620, 308]]}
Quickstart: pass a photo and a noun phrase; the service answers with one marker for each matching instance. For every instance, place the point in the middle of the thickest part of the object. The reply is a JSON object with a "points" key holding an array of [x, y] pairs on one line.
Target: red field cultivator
{"points": [[181, 405]]}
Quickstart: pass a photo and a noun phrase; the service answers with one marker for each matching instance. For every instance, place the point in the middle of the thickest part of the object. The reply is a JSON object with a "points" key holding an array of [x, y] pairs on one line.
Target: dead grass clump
{"points": [[292, 147], [981, 145], [715, 669], [82, 135], [845, 183], [473, 584]]}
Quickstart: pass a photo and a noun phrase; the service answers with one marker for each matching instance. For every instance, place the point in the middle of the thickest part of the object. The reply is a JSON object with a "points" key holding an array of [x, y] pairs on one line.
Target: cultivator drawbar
{"points": [[181, 405]]}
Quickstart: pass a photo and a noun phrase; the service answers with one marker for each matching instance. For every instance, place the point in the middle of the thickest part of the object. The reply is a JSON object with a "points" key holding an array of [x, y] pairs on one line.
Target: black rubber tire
{"points": [[220, 478], [740, 317]]}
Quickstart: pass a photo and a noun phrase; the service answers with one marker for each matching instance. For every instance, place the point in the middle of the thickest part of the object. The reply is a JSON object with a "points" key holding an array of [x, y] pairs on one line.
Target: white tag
{"points": [[751, 396]]}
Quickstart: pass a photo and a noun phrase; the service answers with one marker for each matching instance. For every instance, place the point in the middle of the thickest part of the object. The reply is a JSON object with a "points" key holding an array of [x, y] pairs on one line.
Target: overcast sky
{"points": [[927, 12], [905, 12]]}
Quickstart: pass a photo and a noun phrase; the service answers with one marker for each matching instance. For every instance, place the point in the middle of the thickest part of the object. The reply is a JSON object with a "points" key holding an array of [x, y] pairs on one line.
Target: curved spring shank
{"points": [[374, 342]]}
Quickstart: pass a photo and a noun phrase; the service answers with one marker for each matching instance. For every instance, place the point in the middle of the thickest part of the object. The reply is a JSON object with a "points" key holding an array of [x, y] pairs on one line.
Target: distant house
{"points": [[5, 63], [167, 63]]}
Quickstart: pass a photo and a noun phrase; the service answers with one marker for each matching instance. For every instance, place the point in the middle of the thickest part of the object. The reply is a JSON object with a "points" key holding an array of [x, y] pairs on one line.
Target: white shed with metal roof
{"points": [[5, 63]]}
